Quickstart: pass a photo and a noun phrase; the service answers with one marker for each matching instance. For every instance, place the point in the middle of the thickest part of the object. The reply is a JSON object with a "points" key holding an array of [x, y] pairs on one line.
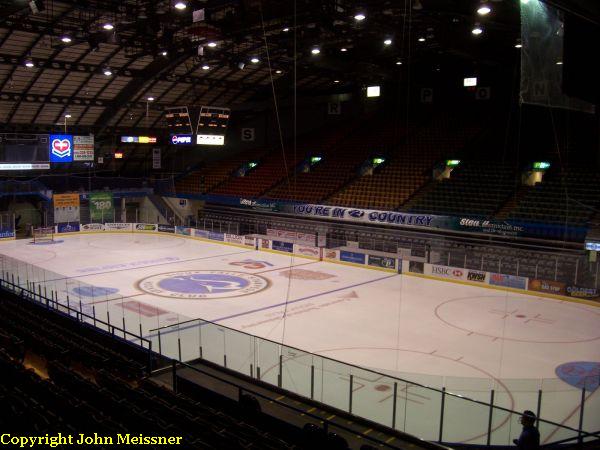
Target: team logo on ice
{"points": [[203, 284]]}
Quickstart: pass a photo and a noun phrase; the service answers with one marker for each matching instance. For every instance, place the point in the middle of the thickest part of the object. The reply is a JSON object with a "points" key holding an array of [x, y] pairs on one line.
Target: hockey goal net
{"points": [[43, 234]]}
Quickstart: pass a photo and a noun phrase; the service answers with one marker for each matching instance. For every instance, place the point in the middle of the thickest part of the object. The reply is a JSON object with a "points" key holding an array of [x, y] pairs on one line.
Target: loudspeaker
{"points": [[36, 6]]}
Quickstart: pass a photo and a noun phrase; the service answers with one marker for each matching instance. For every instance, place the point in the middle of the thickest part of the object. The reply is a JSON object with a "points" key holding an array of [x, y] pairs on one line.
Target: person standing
{"points": [[530, 436]]}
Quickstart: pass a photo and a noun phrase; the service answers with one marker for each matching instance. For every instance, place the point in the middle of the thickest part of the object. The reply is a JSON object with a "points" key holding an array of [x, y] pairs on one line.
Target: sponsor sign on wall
{"points": [[145, 227], [511, 281], [216, 236], [313, 252], [283, 246], [156, 158], [101, 206], [92, 227], [234, 238], [582, 292], [6, 233], [249, 241], [186, 231], [416, 266], [118, 226], [301, 238], [331, 254], [166, 228], [448, 272], [550, 287], [265, 243], [83, 148], [382, 261], [200, 234], [60, 148], [66, 207], [353, 257], [67, 228], [476, 275], [181, 139]]}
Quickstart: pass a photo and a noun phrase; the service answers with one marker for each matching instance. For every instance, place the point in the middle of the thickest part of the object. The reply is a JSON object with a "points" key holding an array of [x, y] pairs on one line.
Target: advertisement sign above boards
{"points": [[66, 208], [138, 139], [83, 148], [181, 139], [101, 206], [60, 148]]}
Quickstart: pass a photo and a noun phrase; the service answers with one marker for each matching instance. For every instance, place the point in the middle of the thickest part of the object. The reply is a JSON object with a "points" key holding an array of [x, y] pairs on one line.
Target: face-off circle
{"points": [[203, 284]]}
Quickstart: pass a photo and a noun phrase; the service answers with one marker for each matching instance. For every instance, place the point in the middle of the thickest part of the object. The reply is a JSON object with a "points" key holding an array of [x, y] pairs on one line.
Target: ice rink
{"points": [[470, 339]]}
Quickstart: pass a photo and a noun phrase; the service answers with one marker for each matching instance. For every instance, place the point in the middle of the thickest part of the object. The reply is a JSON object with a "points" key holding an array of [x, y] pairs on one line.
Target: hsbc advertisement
{"points": [[181, 139], [61, 148]]}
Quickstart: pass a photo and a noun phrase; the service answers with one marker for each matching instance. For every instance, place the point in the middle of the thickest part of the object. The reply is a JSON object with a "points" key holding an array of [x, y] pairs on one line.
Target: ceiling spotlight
{"points": [[316, 51], [279, 71], [286, 29], [107, 72], [421, 39], [29, 63], [343, 49], [336, 81], [205, 67], [388, 42], [108, 26], [164, 53], [150, 99], [398, 63], [68, 116], [254, 60], [559, 63], [477, 30], [66, 39], [360, 17], [484, 10], [180, 6], [518, 44], [212, 44]]}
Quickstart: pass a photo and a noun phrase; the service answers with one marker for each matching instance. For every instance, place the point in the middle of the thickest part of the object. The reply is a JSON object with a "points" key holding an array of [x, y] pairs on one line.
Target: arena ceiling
{"points": [[100, 61]]}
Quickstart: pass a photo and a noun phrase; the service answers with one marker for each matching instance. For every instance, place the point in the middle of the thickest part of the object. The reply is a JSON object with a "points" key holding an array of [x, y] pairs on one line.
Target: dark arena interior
{"points": [[300, 224]]}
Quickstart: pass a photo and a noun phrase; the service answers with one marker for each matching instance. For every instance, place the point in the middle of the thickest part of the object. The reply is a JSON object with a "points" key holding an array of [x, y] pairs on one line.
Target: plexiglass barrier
{"points": [[435, 408]]}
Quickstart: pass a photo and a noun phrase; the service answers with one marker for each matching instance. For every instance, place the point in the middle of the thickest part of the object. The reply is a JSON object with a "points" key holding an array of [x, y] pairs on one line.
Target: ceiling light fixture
{"points": [[484, 10], [180, 6], [559, 63], [286, 29], [68, 116], [66, 39], [150, 99], [421, 39], [212, 44], [477, 30], [398, 63], [388, 42], [518, 45], [316, 51], [360, 17], [254, 60], [107, 72], [164, 53], [29, 64], [336, 81], [205, 67], [108, 26], [278, 71], [343, 49]]}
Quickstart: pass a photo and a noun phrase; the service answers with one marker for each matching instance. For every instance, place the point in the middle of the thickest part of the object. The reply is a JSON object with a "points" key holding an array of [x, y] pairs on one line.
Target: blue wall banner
{"points": [[216, 236], [68, 227], [353, 257], [283, 246]]}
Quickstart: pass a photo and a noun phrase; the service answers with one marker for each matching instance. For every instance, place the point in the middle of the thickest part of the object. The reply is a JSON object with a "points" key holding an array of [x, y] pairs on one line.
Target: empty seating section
{"points": [[90, 383], [475, 189], [212, 174], [409, 167], [272, 168], [340, 164], [568, 198]]}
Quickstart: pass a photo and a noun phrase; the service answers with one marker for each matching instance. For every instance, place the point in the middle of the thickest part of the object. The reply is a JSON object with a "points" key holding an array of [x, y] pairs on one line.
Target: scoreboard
{"points": [[212, 125]]}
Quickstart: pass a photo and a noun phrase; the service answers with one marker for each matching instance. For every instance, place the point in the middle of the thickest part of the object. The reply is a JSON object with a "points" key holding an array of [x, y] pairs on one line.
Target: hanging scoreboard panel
{"points": [[178, 120], [212, 125]]}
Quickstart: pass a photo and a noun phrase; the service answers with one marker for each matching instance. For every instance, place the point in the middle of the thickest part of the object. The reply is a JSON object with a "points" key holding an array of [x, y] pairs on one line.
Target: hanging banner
{"points": [[101, 206], [66, 208]]}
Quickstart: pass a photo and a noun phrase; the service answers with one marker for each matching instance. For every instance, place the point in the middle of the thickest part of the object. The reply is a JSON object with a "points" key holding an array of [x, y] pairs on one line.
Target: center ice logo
{"points": [[203, 284]]}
